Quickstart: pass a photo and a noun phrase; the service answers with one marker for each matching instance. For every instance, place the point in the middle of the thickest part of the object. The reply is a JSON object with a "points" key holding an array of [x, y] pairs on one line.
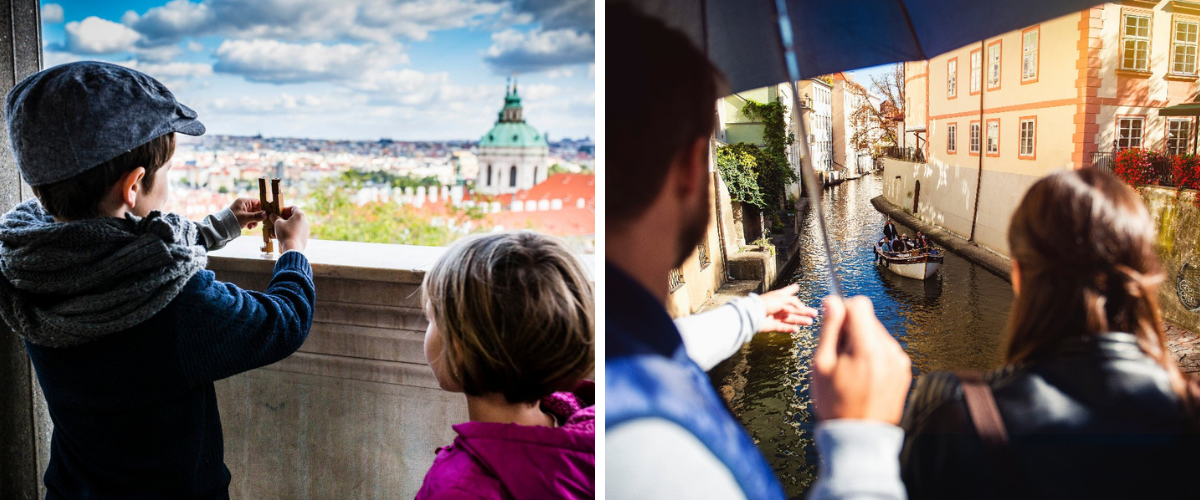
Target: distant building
{"points": [[512, 155]]}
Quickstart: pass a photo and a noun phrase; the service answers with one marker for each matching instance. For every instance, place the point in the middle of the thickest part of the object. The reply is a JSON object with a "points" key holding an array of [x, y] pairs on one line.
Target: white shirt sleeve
{"points": [[656, 458], [713, 336], [860, 460]]}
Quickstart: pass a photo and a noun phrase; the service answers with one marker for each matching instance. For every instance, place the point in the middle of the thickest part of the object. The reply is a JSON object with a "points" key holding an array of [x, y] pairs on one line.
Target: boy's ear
{"points": [[130, 186]]}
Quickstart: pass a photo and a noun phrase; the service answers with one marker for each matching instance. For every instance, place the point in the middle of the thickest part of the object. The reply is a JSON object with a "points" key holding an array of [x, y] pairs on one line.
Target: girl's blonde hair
{"points": [[516, 312]]}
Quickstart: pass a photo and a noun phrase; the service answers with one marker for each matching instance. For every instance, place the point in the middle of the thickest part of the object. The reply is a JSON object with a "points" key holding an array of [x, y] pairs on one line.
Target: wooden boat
{"points": [[916, 264]]}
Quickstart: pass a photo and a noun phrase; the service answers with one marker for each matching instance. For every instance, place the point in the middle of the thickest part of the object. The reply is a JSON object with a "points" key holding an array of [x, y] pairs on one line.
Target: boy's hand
{"points": [[248, 211], [859, 370], [785, 311], [291, 229]]}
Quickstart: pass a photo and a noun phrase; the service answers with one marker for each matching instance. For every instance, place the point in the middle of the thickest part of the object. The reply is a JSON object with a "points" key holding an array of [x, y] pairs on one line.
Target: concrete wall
{"points": [[1178, 224], [947, 197], [356, 413], [24, 421]]}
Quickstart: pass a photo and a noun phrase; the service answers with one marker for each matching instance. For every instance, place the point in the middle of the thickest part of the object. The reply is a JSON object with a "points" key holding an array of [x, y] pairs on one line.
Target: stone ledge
{"points": [[334, 259]]}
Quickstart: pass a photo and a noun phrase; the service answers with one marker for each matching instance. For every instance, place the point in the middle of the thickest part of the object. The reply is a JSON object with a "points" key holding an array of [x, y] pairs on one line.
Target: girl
{"points": [[1091, 403], [511, 325]]}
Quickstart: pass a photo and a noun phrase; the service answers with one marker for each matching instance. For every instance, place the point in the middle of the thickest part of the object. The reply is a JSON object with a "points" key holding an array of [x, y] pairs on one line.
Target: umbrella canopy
{"points": [[742, 37]]}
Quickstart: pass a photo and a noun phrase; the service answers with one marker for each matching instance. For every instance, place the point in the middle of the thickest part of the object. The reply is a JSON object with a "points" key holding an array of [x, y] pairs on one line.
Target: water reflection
{"points": [[951, 322]]}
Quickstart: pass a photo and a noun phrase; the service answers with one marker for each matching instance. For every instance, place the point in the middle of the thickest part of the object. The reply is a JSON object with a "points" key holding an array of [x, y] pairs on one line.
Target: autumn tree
{"points": [[869, 123]]}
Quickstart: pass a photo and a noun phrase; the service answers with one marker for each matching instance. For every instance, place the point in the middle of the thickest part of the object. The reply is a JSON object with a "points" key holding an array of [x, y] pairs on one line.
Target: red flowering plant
{"points": [[1185, 170], [1134, 167]]}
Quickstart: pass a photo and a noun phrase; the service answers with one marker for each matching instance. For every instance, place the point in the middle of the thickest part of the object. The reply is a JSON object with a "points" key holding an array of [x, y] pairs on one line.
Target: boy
{"points": [[126, 330]]}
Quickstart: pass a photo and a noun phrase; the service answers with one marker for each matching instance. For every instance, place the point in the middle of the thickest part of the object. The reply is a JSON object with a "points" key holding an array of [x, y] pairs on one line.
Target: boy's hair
{"points": [[516, 312], [79, 197]]}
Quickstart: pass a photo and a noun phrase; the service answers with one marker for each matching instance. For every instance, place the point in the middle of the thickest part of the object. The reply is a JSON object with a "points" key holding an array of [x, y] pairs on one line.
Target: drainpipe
{"points": [[982, 127]]}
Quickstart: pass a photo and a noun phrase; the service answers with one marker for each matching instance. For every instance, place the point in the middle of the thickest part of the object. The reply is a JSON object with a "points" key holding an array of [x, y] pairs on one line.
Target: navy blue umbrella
{"points": [[764, 42]]}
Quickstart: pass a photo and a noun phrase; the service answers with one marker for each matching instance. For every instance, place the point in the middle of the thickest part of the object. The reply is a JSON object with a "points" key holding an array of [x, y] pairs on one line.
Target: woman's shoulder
{"points": [[939, 392]]}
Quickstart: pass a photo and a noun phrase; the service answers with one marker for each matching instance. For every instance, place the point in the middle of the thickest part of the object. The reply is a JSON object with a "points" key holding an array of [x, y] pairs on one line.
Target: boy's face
{"points": [[434, 348]]}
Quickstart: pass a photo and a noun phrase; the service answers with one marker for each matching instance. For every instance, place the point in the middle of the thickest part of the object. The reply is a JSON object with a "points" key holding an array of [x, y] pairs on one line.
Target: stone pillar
{"points": [[24, 422]]}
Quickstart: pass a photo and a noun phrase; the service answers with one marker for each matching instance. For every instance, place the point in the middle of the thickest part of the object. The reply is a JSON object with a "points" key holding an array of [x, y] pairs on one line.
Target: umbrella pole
{"points": [[807, 173]]}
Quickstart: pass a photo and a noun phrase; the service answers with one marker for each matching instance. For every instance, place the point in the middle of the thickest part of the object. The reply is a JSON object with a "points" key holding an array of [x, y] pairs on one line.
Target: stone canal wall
{"points": [[1178, 223]]}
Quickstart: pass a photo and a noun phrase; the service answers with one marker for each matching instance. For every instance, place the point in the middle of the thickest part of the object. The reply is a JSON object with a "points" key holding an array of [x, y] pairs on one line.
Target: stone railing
{"points": [[355, 413]]}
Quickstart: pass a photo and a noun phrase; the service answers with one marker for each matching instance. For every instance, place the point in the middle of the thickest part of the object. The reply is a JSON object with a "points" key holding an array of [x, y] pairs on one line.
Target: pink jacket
{"points": [[509, 461]]}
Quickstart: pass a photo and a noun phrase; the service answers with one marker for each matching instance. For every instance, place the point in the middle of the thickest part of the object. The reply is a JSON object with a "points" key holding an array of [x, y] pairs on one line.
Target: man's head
{"points": [[667, 90], [90, 137]]}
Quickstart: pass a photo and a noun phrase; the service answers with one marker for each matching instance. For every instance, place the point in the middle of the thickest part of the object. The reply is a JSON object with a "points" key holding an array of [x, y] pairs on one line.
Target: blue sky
{"points": [[347, 69]]}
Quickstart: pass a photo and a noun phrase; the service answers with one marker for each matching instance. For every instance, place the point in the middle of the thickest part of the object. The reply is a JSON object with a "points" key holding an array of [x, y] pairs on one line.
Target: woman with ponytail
{"points": [[1090, 403]]}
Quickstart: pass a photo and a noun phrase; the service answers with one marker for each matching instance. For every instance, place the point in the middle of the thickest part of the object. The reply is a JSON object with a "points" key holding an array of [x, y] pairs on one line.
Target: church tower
{"points": [[513, 154]]}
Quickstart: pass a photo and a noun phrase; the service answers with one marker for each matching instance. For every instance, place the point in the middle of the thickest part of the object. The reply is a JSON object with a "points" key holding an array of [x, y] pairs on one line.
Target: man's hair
{"points": [[516, 313], [79, 197], [667, 92]]}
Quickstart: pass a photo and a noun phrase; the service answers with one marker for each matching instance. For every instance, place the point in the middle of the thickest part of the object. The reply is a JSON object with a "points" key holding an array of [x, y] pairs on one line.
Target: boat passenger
{"points": [[921, 241], [1091, 403], [885, 245], [889, 230]]}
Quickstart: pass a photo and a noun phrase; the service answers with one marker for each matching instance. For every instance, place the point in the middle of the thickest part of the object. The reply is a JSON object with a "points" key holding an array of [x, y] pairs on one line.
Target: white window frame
{"points": [[952, 138], [994, 65], [1140, 41], [1029, 54], [952, 78], [1125, 129], [1189, 41], [1028, 142], [976, 71], [976, 138], [1179, 143]]}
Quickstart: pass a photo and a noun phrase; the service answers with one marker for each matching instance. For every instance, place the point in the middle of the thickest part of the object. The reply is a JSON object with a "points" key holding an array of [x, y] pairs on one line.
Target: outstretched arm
{"points": [[713, 336]]}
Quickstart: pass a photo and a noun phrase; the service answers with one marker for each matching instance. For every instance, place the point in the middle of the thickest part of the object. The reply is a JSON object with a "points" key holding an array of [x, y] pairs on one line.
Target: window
{"points": [[675, 279], [489, 176], [994, 65], [1129, 132], [993, 137], [1184, 54], [1135, 43], [702, 254], [1028, 137], [952, 78], [974, 138], [1178, 132], [512, 176], [952, 138], [1029, 55], [976, 70]]}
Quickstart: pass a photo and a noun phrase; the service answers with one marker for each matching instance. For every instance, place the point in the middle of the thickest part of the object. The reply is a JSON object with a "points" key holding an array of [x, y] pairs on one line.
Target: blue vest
{"points": [[647, 374]]}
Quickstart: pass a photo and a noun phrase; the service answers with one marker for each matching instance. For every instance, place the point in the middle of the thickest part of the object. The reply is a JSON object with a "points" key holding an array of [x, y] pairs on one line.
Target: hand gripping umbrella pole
{"points": [[807, 173]]}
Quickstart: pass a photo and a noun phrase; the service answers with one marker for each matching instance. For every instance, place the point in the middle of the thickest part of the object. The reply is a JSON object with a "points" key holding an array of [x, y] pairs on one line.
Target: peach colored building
{"points": [[994, 116]]}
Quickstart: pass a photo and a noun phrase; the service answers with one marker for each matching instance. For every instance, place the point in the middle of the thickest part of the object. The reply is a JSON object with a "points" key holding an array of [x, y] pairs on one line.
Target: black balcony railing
{"points": [[907, 154]]}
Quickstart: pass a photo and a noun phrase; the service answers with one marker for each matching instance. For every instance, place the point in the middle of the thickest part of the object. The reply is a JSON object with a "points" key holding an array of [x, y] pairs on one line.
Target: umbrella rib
{"points": [[912, 30]]}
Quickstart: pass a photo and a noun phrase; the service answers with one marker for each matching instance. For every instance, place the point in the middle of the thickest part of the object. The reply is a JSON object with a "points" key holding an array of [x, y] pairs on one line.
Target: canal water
{"points": [[953, 321]]}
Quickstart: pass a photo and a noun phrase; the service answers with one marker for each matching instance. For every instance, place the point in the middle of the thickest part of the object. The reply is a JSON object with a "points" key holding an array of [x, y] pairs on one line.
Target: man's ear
{"points": [[130, 186], [692, 167]]}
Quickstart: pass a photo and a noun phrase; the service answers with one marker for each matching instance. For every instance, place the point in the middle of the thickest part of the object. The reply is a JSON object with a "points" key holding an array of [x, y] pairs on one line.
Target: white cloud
{"points": [[272, 61], [99, 36], [173, 70], [165, 53], [539, 50], [379, 21], [195, 46], [52, 13]]}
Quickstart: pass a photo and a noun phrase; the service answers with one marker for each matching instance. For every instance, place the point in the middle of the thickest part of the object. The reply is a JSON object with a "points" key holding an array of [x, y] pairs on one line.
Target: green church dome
{"points": [[513, 135], [510, 129]]}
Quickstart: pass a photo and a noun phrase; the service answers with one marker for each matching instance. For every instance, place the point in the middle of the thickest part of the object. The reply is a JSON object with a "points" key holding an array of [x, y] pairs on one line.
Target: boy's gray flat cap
{"points": [[67, 119]]}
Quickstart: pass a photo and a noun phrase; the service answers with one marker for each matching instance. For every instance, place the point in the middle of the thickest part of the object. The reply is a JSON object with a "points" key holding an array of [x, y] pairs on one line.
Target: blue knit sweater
{"points": [[135, 413]]}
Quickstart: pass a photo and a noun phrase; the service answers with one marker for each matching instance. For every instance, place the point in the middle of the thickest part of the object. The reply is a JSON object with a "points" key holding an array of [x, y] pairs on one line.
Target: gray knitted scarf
{"points": [[65, 284]]}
